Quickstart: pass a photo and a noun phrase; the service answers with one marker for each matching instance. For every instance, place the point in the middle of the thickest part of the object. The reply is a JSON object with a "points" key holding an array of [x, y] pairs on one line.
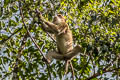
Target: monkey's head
{"points": [[58, 19]]}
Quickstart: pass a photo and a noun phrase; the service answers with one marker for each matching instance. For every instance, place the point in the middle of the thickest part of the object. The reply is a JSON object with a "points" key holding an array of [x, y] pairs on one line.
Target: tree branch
{"points": [[4, 40], [29, 32], [98, 74], [106, 69], [40, 23], [32, 37], [16, 67]]}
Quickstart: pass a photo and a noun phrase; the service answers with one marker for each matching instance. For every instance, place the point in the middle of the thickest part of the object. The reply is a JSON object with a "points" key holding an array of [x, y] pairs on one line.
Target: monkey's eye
{"points": [[59, 15]]}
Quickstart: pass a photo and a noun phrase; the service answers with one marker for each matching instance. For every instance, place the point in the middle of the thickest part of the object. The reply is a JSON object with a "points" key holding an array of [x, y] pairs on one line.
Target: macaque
{"points": [[63, 36]]}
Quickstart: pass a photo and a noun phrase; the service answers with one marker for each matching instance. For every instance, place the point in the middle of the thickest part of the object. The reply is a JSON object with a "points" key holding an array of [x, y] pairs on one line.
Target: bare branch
{"points": [[29, 32], [98, 74], [33, 38], [4, 40]]}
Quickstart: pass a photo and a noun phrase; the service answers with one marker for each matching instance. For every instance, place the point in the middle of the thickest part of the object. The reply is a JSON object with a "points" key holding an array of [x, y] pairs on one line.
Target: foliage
{"points": [[95, 26]]}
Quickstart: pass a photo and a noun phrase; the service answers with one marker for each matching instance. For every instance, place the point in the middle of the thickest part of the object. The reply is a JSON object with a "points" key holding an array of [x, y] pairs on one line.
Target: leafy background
{"points": [[95, 25]]}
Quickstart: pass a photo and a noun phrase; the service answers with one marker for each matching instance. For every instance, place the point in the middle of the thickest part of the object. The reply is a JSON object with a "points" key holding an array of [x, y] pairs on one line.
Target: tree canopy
{"points": [[95, 25]]}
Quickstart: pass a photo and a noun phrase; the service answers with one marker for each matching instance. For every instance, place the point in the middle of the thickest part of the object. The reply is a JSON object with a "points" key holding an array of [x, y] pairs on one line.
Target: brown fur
{"points": [[64, 38]]}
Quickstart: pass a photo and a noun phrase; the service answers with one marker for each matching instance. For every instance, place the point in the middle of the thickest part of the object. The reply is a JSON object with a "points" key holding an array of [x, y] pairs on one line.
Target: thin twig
{"points": [[45, 31], [51, 37], [16, 68], [98, 74], [48, 67], [84, 68], [106, 69], [4, 40]]}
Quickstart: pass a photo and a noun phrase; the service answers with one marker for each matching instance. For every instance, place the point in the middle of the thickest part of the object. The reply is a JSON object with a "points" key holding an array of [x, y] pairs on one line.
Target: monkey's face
{"points": [[58, 19]]}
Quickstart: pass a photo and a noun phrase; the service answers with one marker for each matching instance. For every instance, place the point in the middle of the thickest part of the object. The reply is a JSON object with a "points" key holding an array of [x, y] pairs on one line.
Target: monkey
{"points": [[64, 38]]}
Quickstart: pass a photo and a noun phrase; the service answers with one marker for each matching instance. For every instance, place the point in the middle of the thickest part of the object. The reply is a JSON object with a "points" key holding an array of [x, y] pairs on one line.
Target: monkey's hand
{"points": [[42, 18], [39, 14]]}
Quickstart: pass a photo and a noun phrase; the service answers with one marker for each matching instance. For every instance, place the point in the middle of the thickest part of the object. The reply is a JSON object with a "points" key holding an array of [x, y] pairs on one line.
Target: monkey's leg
{"points": [[72, 69], [67, 65], [73, 53], [53, 54]]}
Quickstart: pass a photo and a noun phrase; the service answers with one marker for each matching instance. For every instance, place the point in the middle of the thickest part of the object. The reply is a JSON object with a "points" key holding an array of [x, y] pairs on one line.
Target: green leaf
{"points": [[6, 2]]}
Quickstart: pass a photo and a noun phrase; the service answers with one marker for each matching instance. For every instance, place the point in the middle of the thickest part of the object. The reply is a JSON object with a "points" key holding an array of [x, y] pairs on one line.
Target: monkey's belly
{"points": [[64, 46]]}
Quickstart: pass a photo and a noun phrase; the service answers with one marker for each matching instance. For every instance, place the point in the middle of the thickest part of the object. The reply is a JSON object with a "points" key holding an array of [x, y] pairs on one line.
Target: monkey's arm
{"points": [[63, 28], [51, 25], [46, 28]]}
